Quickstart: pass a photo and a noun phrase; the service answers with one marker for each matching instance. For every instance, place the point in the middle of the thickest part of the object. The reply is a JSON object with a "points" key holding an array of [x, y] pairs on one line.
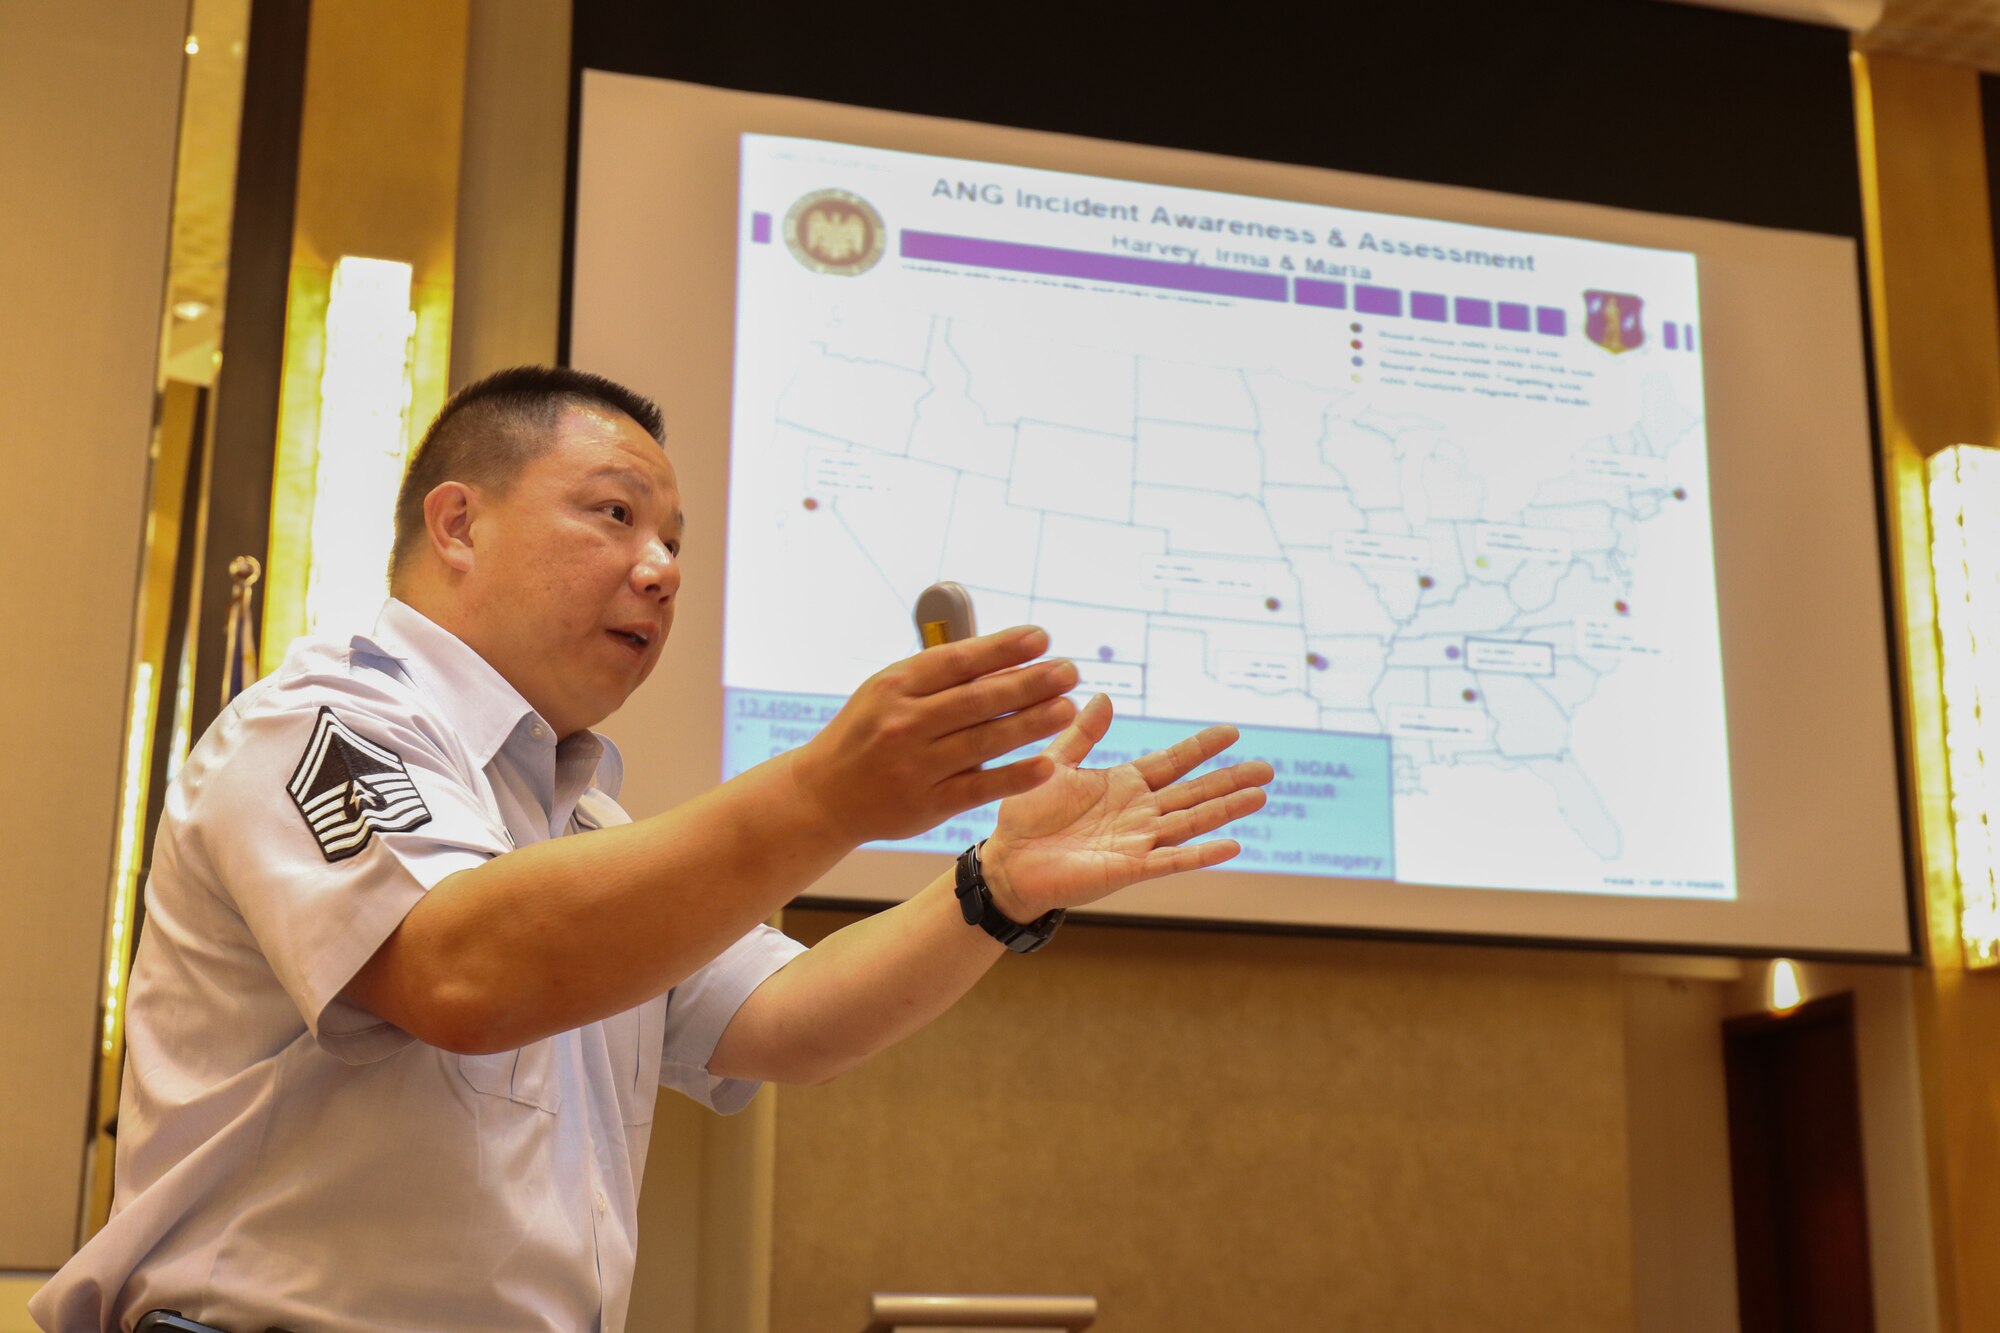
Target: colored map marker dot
{"points": [[1426, 581], [811, 503], [1680, 492], [1452, 653], [1104, 653], [1621, 608], [1357, 360], [1272, 603], [1354, 328], [1316, 661], [1470, 696], [1355, 378], [1482, 561], [1355, 344]]}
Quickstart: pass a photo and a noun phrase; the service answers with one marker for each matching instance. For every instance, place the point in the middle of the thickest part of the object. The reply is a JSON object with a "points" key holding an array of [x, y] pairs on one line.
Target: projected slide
{"points": [[1423, 507]]}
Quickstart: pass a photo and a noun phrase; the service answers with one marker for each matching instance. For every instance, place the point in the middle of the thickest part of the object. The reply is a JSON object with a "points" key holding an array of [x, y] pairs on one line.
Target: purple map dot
{"points": [[1315, 661], [1452, 652], [1104, 653]]}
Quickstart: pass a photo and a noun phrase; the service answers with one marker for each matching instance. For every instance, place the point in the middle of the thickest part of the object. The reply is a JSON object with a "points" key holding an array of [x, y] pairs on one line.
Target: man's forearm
{"points": [[858, 991], [568, 931], [573, 930]]}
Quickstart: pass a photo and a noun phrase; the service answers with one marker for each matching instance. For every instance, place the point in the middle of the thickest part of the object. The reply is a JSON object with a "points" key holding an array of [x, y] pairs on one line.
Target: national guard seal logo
{"points": [[347, 788], [1611, 320], [832, 231]]}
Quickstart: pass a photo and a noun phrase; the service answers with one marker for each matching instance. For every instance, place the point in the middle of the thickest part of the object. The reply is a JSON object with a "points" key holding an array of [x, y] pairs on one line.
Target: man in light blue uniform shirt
{"points": [[394, 1040]]}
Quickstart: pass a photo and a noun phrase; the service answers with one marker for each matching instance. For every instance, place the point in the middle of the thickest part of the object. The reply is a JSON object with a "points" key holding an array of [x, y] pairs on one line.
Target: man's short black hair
{"points": [[495, 426]]}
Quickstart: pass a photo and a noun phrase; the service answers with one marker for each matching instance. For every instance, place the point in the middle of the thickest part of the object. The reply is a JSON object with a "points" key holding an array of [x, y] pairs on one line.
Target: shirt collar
{"points": [[485, 709]]}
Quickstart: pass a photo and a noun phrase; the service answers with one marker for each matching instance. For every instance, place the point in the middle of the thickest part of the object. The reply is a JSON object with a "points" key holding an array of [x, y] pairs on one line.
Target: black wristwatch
{"points": [[975, 900]]}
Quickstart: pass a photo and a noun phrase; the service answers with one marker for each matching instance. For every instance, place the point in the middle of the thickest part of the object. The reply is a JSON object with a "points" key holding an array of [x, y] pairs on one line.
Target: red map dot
{"points": [[1468, 695], [1426, 581], [1272, 603], [811, 503], [1621, 608]]}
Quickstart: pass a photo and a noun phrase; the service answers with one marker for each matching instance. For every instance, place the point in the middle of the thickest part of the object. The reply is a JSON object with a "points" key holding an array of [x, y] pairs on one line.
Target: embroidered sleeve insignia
{"points": [[347, 788]]}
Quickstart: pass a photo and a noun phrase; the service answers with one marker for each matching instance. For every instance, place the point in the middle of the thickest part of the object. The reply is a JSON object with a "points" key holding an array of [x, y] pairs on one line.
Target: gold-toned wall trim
{"points": [[1936, 336], [172, 450], [379, 144]]}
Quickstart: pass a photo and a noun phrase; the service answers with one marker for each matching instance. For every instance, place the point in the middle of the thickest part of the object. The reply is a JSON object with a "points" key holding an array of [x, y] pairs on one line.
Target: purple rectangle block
{"points": [[1551, 321], [760, 228], [1687, 331], [1377, 300], [1427, 305], [1471, 310], [1668, 333], [1312, 291], [1514, 315], [940, 248]]}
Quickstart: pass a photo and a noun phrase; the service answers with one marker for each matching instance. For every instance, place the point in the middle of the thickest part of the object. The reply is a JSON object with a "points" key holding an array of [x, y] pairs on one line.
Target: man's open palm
{"points": [[1088, 832]]}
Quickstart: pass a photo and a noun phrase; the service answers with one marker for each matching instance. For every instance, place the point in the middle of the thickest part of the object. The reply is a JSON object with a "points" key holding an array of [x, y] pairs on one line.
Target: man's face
{"points": [[575, 568]]}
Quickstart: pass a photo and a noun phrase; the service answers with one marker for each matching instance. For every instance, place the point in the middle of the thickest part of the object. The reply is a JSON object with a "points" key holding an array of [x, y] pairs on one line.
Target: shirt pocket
{"points": [[526, 1076], [634, 1041]]}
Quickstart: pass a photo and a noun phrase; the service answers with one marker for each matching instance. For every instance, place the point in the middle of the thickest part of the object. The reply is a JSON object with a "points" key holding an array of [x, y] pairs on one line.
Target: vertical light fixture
{"points": [[362, 445], [1964, 484], [1787, 989]]}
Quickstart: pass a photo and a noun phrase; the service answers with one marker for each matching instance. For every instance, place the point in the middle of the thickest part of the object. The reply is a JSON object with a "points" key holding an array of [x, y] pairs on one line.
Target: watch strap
{"points": [[975, 903]]}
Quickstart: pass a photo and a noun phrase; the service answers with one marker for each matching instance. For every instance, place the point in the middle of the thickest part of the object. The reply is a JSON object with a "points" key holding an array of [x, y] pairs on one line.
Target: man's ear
{"points": [[449, 511]]}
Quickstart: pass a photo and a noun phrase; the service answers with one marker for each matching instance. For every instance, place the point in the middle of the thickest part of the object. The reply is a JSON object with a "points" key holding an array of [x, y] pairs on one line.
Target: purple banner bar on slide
{"points": [[1514, 315], [1312, 291], [1427, 305], [976, 253], [1473, 311], [760, 228], [1551, 321], [1378, 300], [1671, 329]]}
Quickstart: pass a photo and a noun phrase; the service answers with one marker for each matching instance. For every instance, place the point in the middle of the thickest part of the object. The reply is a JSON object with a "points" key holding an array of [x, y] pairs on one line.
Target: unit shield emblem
{"points": [[832, 231], [1611, 320], [347, 789]]}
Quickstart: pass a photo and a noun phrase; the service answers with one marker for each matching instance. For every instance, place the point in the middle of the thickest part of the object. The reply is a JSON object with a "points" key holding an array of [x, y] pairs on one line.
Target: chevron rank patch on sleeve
{"points": [[347, 788]]}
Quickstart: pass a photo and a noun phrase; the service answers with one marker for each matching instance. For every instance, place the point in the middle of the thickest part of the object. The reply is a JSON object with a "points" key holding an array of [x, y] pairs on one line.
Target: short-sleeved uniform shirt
{"points": [[288, 1158]]}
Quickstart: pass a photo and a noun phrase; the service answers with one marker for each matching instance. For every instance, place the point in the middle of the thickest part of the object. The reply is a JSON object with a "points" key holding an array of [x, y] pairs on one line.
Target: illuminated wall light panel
{"points": [[1787, 988], [1964, 482], [364, 400]]}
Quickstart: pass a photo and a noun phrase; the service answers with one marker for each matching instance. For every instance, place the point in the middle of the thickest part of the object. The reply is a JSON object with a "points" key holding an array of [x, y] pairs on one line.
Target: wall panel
{"points": [[1212, 1131], [89, 93]]}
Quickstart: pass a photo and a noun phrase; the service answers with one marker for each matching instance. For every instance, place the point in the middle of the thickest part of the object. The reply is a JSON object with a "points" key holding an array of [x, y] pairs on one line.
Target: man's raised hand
{"points": [[904, 754], [1088, 832]]}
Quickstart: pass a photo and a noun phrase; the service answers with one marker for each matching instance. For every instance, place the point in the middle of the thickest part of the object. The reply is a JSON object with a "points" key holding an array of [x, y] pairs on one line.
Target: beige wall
{"points": [[89, 95], [1213, 1131]]}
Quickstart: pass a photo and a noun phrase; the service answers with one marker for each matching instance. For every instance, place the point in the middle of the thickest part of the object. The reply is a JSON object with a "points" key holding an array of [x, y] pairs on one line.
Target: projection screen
{"points": [[1533, 542]]}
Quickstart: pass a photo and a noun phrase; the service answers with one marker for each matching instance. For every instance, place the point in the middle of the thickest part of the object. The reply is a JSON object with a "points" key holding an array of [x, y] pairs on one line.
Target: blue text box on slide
{"points": [[1330, 811]]}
